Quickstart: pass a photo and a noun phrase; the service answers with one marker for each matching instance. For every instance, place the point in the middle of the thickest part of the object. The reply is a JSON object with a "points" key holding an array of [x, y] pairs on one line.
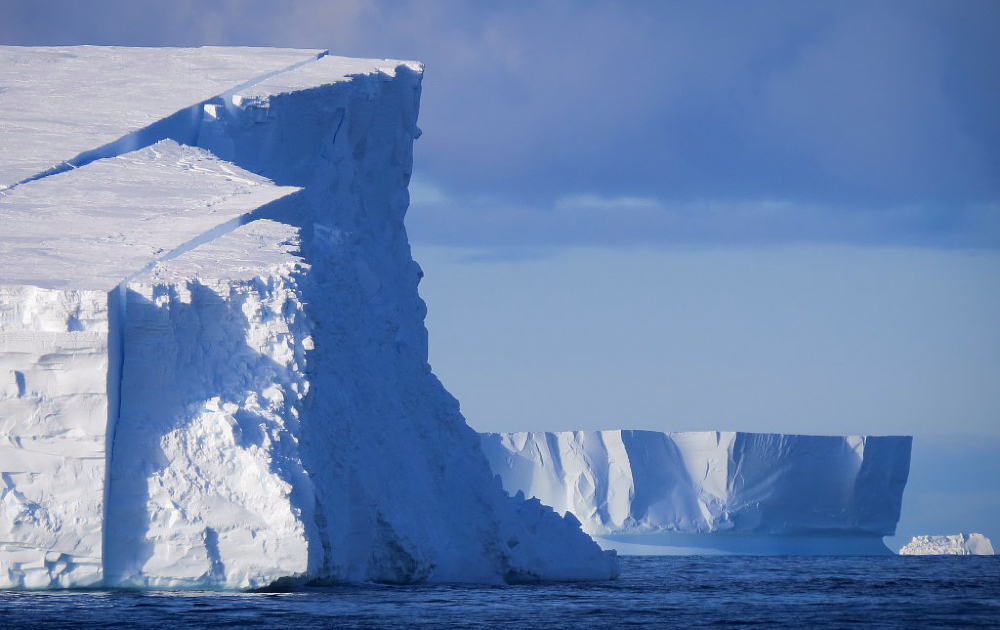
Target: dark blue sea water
{"points": [[683, 592]]}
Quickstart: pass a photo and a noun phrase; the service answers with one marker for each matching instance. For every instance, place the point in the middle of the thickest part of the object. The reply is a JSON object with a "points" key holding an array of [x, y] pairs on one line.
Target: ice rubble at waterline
{"points": [[213, 362]]}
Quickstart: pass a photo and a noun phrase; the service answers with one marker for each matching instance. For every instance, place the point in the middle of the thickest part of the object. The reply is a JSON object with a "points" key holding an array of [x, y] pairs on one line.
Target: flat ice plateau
{"points": [[713, 492], [213, 361], [954, 545]]}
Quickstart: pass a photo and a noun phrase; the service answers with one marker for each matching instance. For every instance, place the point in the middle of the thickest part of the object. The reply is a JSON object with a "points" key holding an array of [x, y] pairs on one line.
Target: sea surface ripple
{"points": [[686, 592]]}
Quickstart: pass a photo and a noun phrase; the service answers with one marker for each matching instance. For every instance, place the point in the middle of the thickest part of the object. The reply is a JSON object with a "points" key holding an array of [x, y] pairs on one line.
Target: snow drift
{"points": [[213, 363], [713, 491]]}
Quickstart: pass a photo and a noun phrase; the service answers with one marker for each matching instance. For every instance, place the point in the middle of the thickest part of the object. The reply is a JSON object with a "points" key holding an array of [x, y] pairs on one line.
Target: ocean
{"points": [[654, 592]]}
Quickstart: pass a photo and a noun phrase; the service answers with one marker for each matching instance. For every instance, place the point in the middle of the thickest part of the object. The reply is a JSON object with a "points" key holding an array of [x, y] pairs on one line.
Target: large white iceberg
{"points": [[713, 491], [213, 363], [953, 545]]}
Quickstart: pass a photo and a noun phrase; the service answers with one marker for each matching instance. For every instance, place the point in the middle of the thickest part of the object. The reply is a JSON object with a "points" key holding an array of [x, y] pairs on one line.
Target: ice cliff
{"points": [[954, 545], [213, 363], [715, 491]]}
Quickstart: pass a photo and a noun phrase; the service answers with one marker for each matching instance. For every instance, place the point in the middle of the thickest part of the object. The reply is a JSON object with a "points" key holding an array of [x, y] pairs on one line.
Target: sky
{"points": [[771, 216]]}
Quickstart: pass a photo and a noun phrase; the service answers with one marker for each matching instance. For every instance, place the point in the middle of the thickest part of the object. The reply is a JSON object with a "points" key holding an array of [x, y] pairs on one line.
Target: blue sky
{"points": [[779, 216]]}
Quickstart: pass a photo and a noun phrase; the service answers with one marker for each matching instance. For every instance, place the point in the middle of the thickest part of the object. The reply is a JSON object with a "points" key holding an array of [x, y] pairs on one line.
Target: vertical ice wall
{"points": [[56, 395], [645, 483], [69, 241], [402, 491], [207, 481], [66, 242], [278, 415]]}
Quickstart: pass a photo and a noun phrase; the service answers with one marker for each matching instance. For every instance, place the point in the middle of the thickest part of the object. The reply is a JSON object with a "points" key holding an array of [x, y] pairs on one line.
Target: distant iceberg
{"points": [[713, 491], [954, 545]]}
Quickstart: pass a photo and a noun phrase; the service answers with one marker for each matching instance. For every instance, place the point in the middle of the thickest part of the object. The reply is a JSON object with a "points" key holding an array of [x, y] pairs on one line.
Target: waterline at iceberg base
{"points": [[213, 361], [713, 492]]}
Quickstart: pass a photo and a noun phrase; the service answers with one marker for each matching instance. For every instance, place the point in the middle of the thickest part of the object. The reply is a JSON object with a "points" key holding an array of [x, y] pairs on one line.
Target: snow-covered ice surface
{"points": [[954, 545], [713, 491], [69, 104], [90, 228], [215, 320]]}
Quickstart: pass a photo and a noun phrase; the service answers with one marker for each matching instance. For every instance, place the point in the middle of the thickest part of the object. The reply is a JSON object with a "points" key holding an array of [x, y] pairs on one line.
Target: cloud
{"points": [[867, 100], [505, 230]]}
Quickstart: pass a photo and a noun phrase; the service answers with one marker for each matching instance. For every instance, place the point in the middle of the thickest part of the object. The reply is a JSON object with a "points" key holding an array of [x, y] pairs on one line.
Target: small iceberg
{"points": [[955, 545]]}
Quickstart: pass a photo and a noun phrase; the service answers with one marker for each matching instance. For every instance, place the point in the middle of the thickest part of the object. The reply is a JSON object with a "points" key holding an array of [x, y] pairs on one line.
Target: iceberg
{"points": [[713, 491], [954, 545], [213, 362]]}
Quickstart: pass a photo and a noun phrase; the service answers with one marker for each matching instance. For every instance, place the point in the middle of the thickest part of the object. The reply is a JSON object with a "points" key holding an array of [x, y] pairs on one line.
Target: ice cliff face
{"points": [[204, 483], [70, 244], [215, 358], [954, 545], [670, 489]]}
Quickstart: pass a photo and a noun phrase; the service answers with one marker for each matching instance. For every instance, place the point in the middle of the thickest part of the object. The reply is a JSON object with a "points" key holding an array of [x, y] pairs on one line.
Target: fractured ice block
{"points": [[68, 244], [952, 545], [207, 485]]}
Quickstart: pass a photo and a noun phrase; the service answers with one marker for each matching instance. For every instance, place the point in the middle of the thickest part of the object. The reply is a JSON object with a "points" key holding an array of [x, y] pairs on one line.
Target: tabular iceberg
{"points": [[213, 363], [713, 491], [954, 545]]}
